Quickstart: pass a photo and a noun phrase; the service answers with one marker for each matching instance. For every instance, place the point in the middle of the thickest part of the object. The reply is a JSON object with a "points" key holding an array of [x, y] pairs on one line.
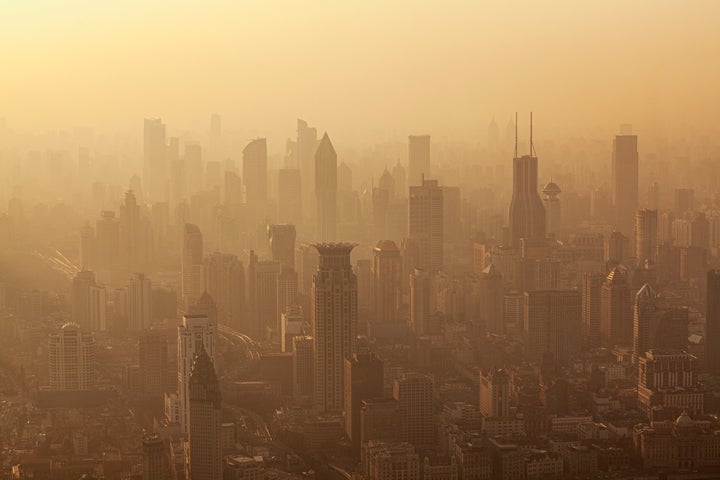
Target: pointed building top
{"points": [[325, 147]]}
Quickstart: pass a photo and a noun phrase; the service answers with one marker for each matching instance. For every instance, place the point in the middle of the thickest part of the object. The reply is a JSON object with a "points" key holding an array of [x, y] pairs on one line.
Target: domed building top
{"points": [[684, 420], [387, 182], [551, 189]]}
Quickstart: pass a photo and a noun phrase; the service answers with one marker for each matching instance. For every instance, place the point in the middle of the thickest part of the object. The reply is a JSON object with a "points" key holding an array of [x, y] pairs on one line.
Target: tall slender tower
{"points": [[306, 146], [625, 181], [255, 178], [192, 266], [646, 231], [425, 224], [88, 301], [139, 302], [387, 282], [194, 334], [527, 213], [616, 324], [154, 157], [712, 323], [326, 189], [203, 457], [334, 315], [552, 208], [72, 359], [418, 159]]}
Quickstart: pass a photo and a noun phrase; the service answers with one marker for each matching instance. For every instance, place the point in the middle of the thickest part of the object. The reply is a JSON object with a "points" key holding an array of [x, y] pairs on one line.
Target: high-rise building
{"points": [[363, 381], [139, 302], [391, 461], [616, 308], [72, 359], [154, 157], [425, 224], [107, 241], [387, 282], [307, 143], [418, 159], [303, 365], [195, 334], [282, 245], [527, 213], [289, 196], [712, 323], [263, 290], [153, 350], [552, 208], [495, 393], [646, 231], [414, 395], [625, 181], [135, 234], [255, 178], [334, 310], [292, 324], [591, 300], [224, 276], [158, 458], [326, 189], [400, 179], [203, 454], [88, 302], [490, 299], [552, 324], [306, 264], [656, 325], [684, 200], [669, 378], [421, 301], [614, 248], [193, 284], [379, 419]]}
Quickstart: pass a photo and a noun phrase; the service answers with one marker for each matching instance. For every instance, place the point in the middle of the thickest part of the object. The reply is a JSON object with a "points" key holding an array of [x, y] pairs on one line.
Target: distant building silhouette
{"points": [[326, 189], [625, 181], [72, 359], [88, 302], [712, 323], [193, 284], [194, 334], [418, 159], [425, 224]]}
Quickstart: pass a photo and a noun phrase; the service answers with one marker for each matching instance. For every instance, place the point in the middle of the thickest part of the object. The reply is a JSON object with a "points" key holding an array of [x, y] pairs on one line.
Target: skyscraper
{"points": [[225, 282], [625, 181], [158, 461], [88, 302], [527, 213], [203, 457], [72, 359], [334, 310], [591, 300], [153, 349], [282, 245], [657, 325], [326, 189], [255, 179], [646, 231], [425, 224], [552, 208], [495, 393], [712, 323], [263, 289], [155, 161], [552, 324], [490, 299], [290, 206], [418, 159], [616, 305], [307, 143], [414, 395], [135, 234], [363, 381], [387, 282], [194, 334], [303, 365], [421, 302], [139, 302], [193, 284]]}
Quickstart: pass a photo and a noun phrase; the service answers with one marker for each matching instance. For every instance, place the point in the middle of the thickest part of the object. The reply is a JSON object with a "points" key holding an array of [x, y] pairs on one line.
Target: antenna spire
{"points": [[531, 142], [515, 134]]}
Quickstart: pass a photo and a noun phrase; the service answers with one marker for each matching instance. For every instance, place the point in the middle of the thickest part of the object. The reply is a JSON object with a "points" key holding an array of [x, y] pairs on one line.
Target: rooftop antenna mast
{"points": [[516, 135], [532, 147]]}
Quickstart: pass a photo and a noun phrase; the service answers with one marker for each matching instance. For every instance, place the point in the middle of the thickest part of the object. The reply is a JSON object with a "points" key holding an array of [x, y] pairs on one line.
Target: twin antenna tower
{"points": [[532, 147]]}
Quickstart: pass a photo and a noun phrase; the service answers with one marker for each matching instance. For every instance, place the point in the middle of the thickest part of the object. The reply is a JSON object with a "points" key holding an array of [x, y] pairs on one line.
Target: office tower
{"points": [[712, 323], [88, 302], [139, 302], [107, 241], [282, 245], [495, 393], [135, 235], [290, 207], [552, 208], [684, 200], [307, 144], [656, 325], [363, 381], [379, 419], [390, 461], [263, 288], [326, 189], [414, 395], [292, 324], [418, 159], [387, 282], [193, 284], [527, 213], [616, 308], [334, 316], [206, 307], [154, 157], [153, 348], [591, 301], [225, 282], [203, 456], [72, 359], [614, 247], [306, 263], [233, 189], [552, 324], [646, 231], [625, 181], [194, 334], [254, 175], [425, 225], [303, 365], [669, 378], [513, 311], [421, 302], [158, 461], [400, 180], [490, 299]]}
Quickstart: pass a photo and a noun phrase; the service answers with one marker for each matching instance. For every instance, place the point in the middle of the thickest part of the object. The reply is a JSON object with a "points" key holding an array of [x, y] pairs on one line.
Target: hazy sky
{"points": [[359, 67]]}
